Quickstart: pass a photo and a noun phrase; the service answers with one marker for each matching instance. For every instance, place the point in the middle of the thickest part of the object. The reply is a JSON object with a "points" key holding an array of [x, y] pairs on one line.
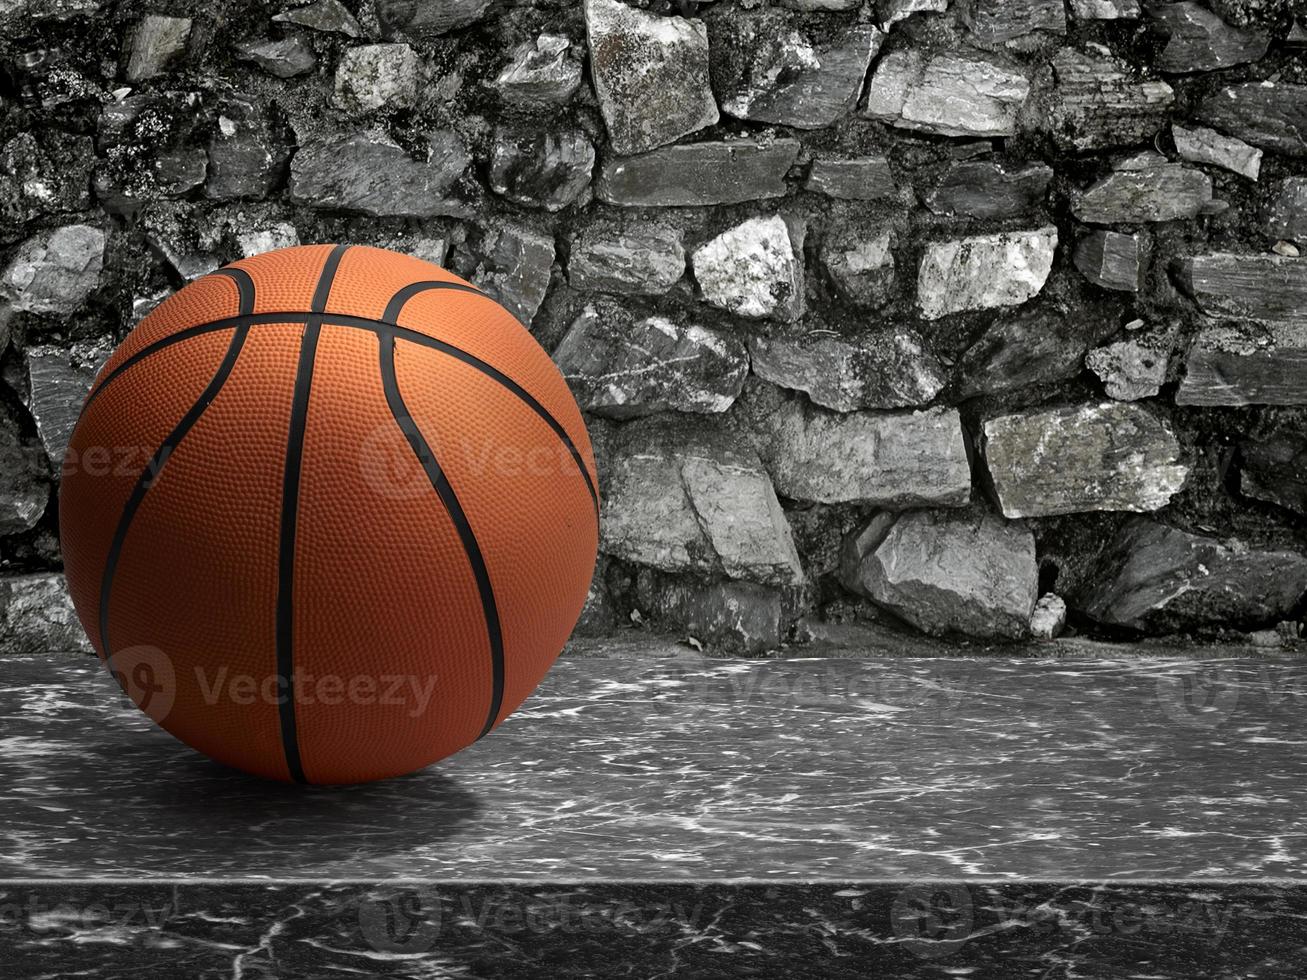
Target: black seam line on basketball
{"points": [[471, 548], [376, 326], [490, 371], [226, 323], [391, 317], [244, 306], [243, 281], [402, 296], [150, 475], [244, 288], [290, 487]]}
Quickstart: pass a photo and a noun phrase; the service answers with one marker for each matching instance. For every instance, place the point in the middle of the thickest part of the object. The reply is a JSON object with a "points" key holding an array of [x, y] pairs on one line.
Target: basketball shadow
{"points": [[172, 811]]}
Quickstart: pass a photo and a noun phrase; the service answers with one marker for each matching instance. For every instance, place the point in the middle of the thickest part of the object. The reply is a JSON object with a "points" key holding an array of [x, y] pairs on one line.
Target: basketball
{"points": [[329, 514]]}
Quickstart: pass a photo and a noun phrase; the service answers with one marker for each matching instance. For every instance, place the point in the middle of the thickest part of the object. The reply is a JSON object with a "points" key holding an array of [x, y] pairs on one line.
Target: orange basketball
{"points": [[329, 514]]}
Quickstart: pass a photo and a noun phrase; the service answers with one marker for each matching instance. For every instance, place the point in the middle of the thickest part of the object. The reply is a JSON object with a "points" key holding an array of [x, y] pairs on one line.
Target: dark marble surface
{"points": [[685, 769], [907, 930]]}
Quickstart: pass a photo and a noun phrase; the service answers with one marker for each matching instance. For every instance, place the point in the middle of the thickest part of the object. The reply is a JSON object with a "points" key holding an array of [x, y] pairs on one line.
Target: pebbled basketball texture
{"points": [[329, 514]]}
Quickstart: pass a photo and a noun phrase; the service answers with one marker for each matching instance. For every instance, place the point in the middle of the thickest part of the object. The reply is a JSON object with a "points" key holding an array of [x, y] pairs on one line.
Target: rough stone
{"points": [[1035, 346], [425, 20], [1272, 115], [1247, 363], [248, 151], [1110, 259], [1264, 287], [820, 6], [860, 266], [1199, 40], [512, 263], [57, 381], [734, 617], [153, 144], [157, 43], [973, 574], [1096, 103], [985, 189], [1158, 192], [889, 368], [893, 11], [256, 239], [546, 169], [1203, 145], [685, 498], [1105, 9], [650, 74], [622, 366], [644, 258], [1049, 618], [53, 272], [1159, 578], [190, 247], [42, 174], [873, 194], [993, 21], [37, 616], [284, 58], [599, 614], [429, 247], [327, 16], [20, 13], [766, 68], [697, 174], [1109, 456], [1274, 464], [541, 72], [143, 306], [1134, 367], [1286, 215], [371, 174], [377, 76], [855, 179], [945, 94], [754, 269], [177, 172], [24, 479], [984, 271], [890, 459]]}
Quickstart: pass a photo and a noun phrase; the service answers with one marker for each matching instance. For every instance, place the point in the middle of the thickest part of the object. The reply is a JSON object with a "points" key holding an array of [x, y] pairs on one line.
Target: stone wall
{"points": [[954, 314]]}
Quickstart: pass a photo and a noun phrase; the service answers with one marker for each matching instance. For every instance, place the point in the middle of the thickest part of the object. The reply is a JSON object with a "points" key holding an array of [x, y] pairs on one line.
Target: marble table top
{"points": [[682, 768], [656, 931]]}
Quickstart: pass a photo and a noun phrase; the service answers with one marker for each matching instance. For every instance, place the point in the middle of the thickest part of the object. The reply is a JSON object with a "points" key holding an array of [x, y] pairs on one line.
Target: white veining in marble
{"points": [[676, 769]]}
